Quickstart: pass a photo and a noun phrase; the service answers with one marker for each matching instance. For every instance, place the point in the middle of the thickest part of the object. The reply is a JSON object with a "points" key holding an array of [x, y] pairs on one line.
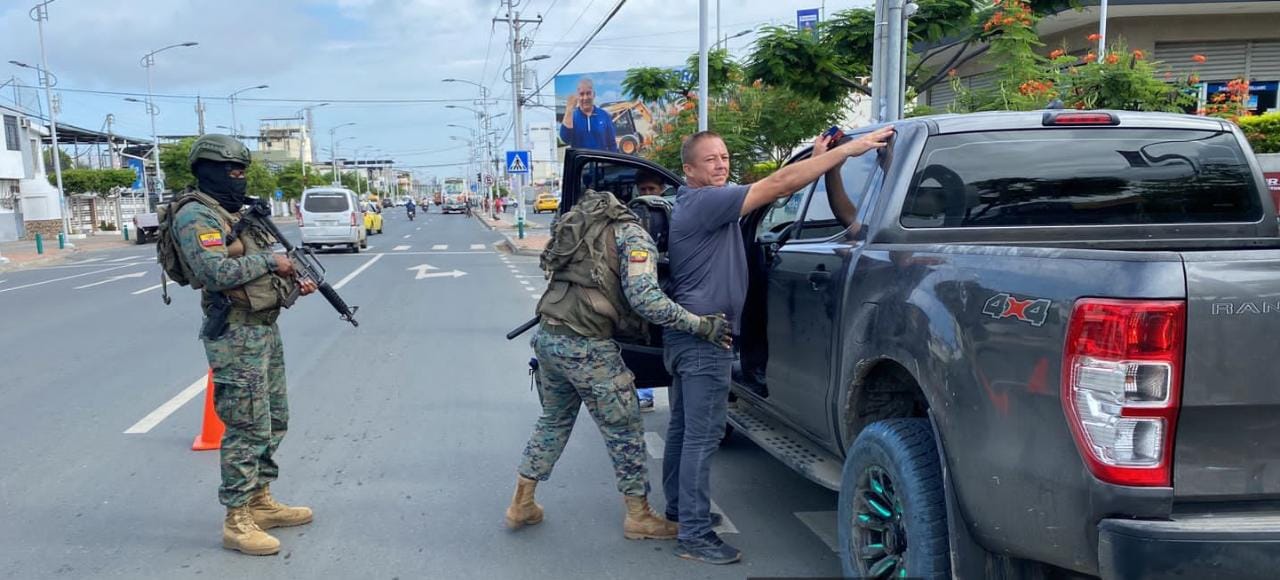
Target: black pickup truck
{"points": [[1044, 348]]}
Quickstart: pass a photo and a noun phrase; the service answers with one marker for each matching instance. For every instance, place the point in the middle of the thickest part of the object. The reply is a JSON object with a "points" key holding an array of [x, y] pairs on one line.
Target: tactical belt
{"points": [[263, 318], [559, 330]]}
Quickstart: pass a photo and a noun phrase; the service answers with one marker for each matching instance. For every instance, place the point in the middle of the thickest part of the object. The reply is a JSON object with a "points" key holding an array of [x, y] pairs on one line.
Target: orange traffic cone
{"points": [[210, 436]]}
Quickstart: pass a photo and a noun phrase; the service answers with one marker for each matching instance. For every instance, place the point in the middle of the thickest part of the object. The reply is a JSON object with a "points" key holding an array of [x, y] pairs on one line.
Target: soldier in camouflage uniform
{"points": [[603, 281], [247, 357]]}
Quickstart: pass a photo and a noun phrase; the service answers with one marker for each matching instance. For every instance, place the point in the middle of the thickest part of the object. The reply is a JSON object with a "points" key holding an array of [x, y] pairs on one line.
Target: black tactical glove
{"points": [[715, 328]]}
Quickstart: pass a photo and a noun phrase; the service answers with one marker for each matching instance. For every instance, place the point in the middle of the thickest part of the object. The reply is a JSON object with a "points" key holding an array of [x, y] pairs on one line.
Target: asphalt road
{"points": [[405, 433]]}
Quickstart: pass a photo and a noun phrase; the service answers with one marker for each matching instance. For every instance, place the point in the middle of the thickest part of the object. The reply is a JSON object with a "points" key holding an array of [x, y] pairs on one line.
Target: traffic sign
{"points": [[517, 162], [136, 166], [279, 194]]}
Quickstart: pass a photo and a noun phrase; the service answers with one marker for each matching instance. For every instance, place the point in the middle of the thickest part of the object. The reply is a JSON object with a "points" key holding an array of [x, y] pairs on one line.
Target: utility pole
{"points": [[40, 14], [514, 22], [703, 95], [199, 116]]}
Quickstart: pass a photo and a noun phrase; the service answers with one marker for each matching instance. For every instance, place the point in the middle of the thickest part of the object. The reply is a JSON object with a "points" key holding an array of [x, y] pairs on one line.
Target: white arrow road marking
{"points": [[477, 246], [400, 248], [163, 411], [440, 247], [150, 288], [357, 271], [112, 279], [424, 271]]}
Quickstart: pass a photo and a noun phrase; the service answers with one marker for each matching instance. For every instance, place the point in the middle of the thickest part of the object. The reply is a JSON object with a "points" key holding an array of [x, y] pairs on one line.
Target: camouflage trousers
{"points": [[573, 370], [249, 395]]}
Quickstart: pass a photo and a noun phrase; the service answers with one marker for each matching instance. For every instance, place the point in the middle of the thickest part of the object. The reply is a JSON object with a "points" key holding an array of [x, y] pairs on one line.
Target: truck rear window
{"points": [[326, 202], [1095, 176]]}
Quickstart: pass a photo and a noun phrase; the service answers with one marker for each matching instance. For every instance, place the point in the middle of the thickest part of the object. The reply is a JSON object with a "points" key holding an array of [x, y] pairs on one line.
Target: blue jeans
{"points": [[700, 373], [645, 394]]}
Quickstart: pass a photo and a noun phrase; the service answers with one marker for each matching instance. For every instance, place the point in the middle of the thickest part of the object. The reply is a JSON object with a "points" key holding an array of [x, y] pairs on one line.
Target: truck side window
{"points": [[782, 212], [857, 176], [624, 181]]}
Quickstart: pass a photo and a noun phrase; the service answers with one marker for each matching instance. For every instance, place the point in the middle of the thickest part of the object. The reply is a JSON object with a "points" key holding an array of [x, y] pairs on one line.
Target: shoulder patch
{"points": [[210, 239], [638, 256]]}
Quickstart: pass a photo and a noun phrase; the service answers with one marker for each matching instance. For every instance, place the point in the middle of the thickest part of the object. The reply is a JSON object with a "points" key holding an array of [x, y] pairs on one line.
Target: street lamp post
{"points": [[40, 13], [333, 148], [306, 124], [149, 60], [232, 98]]}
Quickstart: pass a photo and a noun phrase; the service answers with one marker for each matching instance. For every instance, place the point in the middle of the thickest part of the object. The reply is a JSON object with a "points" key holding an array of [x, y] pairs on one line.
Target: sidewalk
{"points": [[535, 232], [22, 253]]}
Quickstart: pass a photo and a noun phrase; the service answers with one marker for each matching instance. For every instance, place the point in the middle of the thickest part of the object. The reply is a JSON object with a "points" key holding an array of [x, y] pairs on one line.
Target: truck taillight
{"points": [[1121, 385]]}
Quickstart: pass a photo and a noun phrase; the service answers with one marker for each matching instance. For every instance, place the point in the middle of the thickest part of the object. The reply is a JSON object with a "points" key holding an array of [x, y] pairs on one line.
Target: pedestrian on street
{"points": [[243, 287], [603, 282], [709, 275]]}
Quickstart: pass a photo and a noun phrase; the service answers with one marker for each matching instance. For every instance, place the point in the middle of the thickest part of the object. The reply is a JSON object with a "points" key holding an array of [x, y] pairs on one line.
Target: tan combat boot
{"points": [[240, 532], [643, 524], [269, 513], [523, 511]]}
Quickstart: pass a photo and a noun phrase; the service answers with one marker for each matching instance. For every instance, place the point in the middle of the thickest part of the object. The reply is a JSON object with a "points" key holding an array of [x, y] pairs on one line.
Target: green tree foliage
{"points": [[827, 67], [173, 160], [261, 181], [289, 180], [722, 73], [96, 181], [1263, 132], [652, 84], [67, 163]]}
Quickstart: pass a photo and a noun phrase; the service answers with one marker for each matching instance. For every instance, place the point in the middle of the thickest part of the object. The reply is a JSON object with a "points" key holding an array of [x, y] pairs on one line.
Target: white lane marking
{"points": [[357, 271], [417, 229], [823, 525], [524, 282], [126, 259], [654, 441], [163, 411], [442, 247], [3, 281], [87, 260], [112, 279], [421, 253], [407, 236], [66, 278], [477, 246], [523, 276], [400, 248], [150, 288]]}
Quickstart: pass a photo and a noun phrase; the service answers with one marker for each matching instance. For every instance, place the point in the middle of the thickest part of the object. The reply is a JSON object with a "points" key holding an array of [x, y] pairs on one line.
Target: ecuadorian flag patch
{"points": [[210, 239], [639, 256]]}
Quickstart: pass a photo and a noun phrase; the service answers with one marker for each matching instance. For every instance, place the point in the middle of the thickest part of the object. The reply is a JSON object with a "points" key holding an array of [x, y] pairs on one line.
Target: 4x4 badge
{"points": [[1031, 310]]}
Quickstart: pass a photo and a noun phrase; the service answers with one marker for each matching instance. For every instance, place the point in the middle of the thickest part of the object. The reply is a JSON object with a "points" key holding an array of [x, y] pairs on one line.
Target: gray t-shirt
{"points": [[708, 261]]}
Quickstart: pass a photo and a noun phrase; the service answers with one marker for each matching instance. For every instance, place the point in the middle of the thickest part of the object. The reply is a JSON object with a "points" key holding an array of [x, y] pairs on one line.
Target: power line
{"points": [[588, 40], [265, 99]]}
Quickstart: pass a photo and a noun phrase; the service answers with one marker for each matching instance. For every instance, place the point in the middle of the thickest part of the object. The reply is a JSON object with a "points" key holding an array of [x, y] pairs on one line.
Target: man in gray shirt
{"points": [[709, 276]]}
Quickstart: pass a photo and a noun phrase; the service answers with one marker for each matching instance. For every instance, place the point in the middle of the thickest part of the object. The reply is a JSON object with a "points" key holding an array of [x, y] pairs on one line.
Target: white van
{"points": [[331, 216]]}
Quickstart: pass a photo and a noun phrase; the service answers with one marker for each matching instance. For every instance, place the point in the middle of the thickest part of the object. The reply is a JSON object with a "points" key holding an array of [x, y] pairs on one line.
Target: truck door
{"points": [[806, 287], [603, 171]]}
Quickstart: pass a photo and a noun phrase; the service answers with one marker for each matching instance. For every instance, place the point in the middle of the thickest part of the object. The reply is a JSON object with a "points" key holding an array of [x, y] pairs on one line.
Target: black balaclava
{"points": [[214, 178]]}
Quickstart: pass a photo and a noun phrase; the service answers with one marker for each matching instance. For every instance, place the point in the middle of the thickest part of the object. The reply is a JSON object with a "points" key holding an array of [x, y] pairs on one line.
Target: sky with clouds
{"points": [[319, 50]]}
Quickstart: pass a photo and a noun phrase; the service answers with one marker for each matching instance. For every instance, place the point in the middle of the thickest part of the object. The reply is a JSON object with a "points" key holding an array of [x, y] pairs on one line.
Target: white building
{"points": [[28, 203], [543, 155]]}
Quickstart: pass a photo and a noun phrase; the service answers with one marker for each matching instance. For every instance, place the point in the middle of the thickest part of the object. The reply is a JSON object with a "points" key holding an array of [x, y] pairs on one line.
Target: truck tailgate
{"points": [[1228, 432]]}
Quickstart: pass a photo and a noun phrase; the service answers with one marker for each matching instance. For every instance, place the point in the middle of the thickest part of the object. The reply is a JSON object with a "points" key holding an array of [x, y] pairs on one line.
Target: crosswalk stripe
{"points": [[442, 247], [399, 248], [477, 246]]}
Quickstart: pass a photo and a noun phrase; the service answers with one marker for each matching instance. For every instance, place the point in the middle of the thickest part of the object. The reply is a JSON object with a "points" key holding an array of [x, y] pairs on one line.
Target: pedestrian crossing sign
{"points": [[517, 162]]}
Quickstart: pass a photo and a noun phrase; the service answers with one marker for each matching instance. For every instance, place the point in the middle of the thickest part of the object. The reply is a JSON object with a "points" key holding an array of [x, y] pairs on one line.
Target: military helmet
{"points": [[655, 217], [223, 148]]}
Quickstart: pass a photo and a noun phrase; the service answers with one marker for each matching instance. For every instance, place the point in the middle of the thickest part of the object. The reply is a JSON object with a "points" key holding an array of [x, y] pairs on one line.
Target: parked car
{"points": [[1045, 345], [546, 202], [331, 216], [372, 218]]}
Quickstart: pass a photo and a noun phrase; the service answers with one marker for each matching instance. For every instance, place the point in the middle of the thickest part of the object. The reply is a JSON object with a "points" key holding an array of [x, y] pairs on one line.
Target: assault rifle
{"points": [[519, 330], [304, 259]]}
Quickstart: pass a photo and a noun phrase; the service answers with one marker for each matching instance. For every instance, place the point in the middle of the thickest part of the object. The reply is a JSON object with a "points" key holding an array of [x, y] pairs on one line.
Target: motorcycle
{"points": [[412, 212]]}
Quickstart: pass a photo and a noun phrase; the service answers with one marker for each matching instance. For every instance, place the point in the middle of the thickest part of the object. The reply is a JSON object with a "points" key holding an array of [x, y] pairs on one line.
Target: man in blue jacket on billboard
{"points": [[585, 125]]}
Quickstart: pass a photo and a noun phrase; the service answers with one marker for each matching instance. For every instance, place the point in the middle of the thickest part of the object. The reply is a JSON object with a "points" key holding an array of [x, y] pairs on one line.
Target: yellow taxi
{"points": [[546, 202], [372, 218]]}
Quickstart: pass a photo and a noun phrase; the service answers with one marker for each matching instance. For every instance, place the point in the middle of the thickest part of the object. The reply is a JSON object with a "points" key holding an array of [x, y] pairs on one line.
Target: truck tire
{"points": [[893, 514]]}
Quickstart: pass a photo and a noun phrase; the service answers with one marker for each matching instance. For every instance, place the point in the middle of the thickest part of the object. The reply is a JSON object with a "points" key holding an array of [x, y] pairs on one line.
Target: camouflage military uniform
{"points": [[247, 360], [574, 369]]}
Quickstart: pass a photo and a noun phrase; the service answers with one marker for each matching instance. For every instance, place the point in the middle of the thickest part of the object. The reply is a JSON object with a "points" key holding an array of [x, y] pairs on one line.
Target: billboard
{"points": [[602, 116]]}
